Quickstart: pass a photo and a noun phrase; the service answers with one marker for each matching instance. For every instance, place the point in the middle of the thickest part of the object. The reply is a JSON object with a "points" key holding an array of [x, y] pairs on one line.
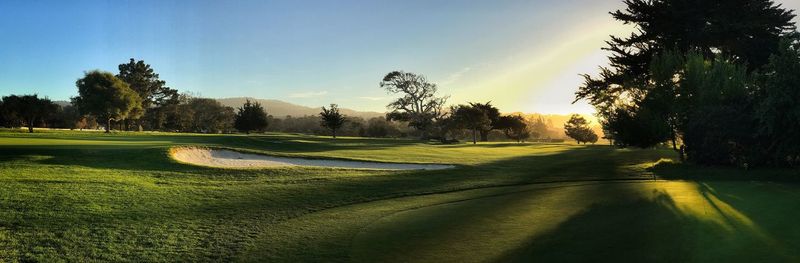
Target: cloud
{"points": [[372, 98], [308, 94]]}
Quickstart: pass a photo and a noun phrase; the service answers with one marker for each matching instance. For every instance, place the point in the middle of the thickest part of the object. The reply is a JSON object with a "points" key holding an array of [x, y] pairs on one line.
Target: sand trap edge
{"points": [[229, 158]]}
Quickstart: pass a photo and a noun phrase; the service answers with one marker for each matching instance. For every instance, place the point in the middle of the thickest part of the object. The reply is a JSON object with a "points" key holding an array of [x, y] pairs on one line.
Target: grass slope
{"points": [[72, 196]]}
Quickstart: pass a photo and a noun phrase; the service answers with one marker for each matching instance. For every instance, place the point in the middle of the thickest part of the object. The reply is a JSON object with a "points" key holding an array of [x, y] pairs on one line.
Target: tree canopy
{"points": [[105, 96], [28, 109], [578, 128], [494, 115], [692, 74], [331, 119], [143, 79], [474, 119], [514, 127], [251, 117], [419, 104]]}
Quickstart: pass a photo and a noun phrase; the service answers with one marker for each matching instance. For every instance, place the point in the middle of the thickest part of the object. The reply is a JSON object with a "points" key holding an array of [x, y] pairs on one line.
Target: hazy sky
{"points": [[522, 55]]}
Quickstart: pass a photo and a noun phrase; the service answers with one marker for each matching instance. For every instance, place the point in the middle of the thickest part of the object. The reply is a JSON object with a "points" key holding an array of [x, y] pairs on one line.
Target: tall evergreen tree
{"points": [[647, 96], [151, 89], [251, 117], [747, 31]]}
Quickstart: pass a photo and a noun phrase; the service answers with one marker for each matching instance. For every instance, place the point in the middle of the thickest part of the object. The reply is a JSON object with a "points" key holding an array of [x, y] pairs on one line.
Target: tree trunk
{"points": [[334, 133], [30, 128], [108, 125]]}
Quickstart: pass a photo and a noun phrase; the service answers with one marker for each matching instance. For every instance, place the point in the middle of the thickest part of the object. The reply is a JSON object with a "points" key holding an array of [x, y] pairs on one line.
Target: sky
{"points": [[523, 56]]}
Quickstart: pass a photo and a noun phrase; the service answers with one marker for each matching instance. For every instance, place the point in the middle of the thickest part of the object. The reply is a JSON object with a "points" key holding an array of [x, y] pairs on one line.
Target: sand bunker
{"points": [[233, 159]]}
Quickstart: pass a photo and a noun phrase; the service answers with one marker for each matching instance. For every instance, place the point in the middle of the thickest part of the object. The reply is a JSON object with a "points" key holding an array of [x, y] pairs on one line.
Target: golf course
{"points": [[90, 196]]}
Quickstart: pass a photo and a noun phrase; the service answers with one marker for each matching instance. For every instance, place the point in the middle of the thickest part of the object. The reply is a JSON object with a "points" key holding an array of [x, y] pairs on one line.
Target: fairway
{"points": [[84, 196]]}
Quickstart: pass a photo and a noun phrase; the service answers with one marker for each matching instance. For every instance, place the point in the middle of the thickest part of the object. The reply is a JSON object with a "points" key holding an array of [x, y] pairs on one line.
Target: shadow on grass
{"points": [[681, 171], [667, 228]]}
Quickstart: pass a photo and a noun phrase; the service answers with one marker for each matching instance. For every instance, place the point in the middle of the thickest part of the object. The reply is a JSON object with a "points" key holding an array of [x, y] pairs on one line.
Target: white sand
{"points": [[233, 159]]}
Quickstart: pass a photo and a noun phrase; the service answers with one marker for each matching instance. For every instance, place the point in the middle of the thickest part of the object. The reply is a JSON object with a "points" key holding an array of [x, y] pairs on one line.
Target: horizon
{"points": [[523, 56]]}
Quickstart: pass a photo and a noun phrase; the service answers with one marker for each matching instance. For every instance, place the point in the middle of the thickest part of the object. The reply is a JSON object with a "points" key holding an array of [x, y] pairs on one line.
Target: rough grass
{"points": [[86, 196]]}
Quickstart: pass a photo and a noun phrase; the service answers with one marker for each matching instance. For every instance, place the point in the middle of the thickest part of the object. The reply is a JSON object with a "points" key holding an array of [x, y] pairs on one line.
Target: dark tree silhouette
{"points": [[647, 95], [331, 119], [471, 118], [578, 128], [419, 105], [494, 115], [747, 31], [778, 111], [29, 109], [105, 96], [514, 127], [251, 117]]}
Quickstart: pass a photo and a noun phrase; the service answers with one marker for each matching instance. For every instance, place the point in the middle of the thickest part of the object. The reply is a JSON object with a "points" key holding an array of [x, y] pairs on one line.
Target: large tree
{"points": [[514, 127], [778, 111], [494, 115], [30, 109], [578, 128], [471, 118], [153, 91], [644, 97], [210, 116], [331, 119], [251, 117], [419, 104], [105, 96], [143, 79], [747, 31]]}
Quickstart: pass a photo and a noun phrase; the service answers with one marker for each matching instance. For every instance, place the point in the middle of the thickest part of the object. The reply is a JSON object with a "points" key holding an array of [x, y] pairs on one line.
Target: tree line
{"points": [[137, 99], [718, 81]]}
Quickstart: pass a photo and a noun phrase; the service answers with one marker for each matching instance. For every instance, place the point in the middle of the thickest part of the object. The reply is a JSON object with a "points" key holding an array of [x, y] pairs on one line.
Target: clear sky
{"points": [[522, 55]]}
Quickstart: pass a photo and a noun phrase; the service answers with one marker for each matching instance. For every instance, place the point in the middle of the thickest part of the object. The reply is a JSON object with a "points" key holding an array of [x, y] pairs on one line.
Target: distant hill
{"points": [[280, 109]]}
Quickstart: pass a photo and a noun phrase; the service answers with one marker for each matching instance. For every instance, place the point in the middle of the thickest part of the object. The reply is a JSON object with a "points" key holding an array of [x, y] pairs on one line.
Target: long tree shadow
{"points": [[664, 228]]}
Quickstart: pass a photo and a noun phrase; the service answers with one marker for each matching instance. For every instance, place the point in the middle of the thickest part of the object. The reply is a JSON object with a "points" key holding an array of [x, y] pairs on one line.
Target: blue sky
{"points": [[522, 55]]}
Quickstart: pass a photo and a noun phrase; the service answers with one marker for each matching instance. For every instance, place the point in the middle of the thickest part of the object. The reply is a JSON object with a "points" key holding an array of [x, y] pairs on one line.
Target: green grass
{"points": [[88, 196]]}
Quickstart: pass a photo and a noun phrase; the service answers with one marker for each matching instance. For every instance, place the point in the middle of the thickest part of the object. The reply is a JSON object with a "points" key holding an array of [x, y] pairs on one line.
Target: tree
{"points": [[144, 81], [578, 128], [105, 96], [471, 118], [419, 105], [746, 31], [494, 115], [331, 119], [30, 109], [777, 111], [251, 117], [379, 127], [514, 127], [210, 116], [683, 76]]}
